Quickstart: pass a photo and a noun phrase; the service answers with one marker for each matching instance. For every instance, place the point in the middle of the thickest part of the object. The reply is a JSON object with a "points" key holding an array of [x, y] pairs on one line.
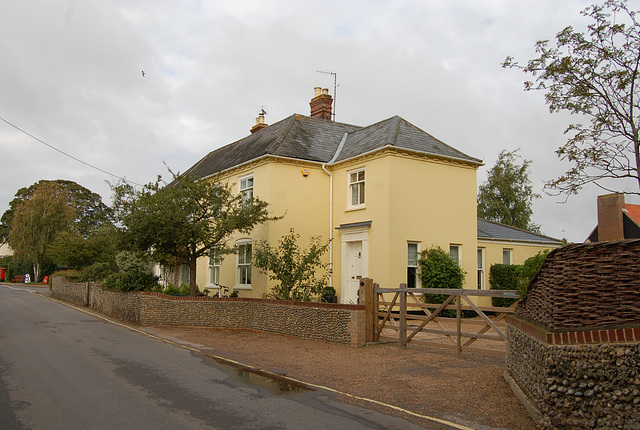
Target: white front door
{"points": [[354, 272]]}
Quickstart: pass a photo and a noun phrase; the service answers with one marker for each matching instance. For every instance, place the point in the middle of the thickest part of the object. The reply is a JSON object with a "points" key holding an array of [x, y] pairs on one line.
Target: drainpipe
{"points": [[324, 169]]}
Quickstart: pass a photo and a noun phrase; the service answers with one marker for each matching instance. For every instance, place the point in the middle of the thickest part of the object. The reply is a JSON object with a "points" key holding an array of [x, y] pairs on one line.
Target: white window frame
{"points": [[359, 185], [415, 264], [213, 268], [510, 258], [481, 268], [242, 266], [459, 248], [245, 187]]}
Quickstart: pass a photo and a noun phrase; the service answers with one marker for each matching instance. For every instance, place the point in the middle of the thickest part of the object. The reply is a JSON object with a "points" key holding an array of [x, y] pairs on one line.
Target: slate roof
{"points": [[312, 139], [491, 230], [398, 133]]}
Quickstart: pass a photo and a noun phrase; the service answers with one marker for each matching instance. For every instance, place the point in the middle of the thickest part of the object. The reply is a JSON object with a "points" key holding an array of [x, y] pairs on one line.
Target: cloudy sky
{"points": [[71, 76]]}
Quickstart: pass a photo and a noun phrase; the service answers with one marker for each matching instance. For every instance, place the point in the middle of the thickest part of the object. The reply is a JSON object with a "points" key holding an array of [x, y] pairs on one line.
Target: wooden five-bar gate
{"points": [[401, 312]]}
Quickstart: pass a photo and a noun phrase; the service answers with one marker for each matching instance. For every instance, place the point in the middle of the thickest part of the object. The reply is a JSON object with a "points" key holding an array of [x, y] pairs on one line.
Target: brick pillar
{"points": [[610, 225]]}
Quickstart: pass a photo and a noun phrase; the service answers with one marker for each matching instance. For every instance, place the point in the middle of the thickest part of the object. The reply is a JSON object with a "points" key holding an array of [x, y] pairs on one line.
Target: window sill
{"points": [[355, 208], [243, 287]]}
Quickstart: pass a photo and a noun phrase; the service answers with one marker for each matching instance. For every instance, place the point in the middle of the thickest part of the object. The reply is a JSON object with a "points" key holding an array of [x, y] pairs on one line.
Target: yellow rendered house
{"points": [[379, 193]]}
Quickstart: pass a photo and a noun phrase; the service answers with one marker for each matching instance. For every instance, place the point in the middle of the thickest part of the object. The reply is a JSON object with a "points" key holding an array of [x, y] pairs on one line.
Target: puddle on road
{"points": [[274, 385], [250, 378]]}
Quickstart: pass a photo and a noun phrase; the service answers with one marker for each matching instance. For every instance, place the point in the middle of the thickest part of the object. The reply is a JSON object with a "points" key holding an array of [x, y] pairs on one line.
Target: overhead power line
{"points": [[67, 154]]}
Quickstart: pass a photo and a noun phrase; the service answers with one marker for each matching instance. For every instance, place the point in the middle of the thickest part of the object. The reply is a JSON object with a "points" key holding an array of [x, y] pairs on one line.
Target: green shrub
{"points": [[328, 291], [515, 277], [69, 274], [176, 290], [301, 273], [97, 272], [504, 277], [131, 281], [130, 261], [439, 270], [529, 269]]}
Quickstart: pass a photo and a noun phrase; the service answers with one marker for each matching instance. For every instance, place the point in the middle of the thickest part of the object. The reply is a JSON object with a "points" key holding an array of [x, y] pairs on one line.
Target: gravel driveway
{"points": [[468, 389]]}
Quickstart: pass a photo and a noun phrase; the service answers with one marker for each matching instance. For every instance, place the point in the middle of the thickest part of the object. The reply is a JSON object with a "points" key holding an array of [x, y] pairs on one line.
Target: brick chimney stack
{"points": [[321, 104], [610, 224], [259, 124]]}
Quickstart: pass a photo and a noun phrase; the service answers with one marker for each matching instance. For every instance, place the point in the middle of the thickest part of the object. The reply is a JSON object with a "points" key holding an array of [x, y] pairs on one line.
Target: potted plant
{"points": [[329, 295]]}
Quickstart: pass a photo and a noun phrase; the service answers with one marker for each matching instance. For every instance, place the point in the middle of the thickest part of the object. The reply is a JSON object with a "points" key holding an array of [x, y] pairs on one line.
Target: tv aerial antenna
{"points": [[335, 86]]}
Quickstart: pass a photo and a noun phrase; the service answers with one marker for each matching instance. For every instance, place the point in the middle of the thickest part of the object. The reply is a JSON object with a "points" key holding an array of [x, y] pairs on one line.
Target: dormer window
{"points": [[356, 188]]}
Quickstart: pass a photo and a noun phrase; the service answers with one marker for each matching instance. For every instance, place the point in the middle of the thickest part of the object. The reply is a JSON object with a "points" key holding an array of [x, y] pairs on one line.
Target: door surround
{"points": [[348, 235]]}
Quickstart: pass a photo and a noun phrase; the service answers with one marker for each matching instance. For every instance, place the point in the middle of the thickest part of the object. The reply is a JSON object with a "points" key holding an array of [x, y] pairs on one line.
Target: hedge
{"points": [[504, 277]]}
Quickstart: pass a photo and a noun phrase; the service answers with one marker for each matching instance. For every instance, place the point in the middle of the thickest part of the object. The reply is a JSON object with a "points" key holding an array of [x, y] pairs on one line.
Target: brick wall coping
{"points": [[244, 299], [587, 336]]}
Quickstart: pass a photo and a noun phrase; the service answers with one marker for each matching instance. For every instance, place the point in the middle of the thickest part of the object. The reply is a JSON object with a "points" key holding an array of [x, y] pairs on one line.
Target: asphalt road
{"points": [[61, 368]]}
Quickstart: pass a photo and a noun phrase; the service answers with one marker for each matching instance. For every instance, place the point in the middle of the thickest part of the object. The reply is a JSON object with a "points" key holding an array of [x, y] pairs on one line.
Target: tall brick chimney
{"points": [[259, 124], [321, 104], [610, 224]]}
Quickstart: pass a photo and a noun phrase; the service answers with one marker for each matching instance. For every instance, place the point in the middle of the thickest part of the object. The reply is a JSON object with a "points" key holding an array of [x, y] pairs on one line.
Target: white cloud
{"points": [[71, 75]]}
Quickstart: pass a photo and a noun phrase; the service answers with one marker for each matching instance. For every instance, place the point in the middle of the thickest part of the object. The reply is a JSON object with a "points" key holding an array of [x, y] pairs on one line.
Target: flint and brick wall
{"points": [[68, 291], [316, 321], [576, 385], [574, 342]]}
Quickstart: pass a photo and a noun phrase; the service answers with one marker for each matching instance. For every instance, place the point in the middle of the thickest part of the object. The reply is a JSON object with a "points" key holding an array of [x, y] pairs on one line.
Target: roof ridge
{"points": [[301, 116], [394, 129], [339, 149], [275, 145]]}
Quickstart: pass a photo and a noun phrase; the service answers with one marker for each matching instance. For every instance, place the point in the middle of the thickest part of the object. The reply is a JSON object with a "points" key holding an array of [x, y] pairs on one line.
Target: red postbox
{"points": [[2, 274]]}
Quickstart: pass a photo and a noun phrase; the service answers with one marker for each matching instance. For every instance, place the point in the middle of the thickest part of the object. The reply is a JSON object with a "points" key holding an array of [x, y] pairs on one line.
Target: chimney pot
{"points": [[321, 104], [259, 124]]}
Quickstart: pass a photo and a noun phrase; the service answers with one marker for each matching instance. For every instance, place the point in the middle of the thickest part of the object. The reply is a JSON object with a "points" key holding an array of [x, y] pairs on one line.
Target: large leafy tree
{"points": [[91, 213], [185, 220], [507, 194], [596, 75], [70, 249], [37, 221]]}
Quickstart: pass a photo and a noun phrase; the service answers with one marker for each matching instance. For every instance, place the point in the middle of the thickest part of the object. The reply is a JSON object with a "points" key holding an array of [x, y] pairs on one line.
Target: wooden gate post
{"points": [[402, 330], [371, 315], [459, 323]]}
